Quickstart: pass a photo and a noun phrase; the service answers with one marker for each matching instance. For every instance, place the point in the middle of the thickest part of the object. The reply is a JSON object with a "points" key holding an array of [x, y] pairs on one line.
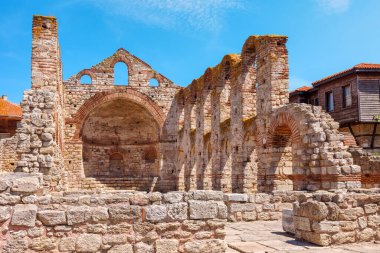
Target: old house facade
{"points": [[352, 98]]}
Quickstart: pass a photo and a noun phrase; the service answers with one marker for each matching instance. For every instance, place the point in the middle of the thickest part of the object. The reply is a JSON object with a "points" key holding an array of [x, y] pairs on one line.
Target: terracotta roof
{"points": [[8, 109], [303, 88], [360, 66]]}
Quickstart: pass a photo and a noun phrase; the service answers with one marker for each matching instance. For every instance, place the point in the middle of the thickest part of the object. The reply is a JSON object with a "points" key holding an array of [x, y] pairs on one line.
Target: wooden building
{"points": [[10, 115], [352, 97]]}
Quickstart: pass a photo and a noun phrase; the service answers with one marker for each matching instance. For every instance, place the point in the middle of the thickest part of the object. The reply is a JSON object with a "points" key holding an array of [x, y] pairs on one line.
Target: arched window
{"points": [[154, 82], [86, 79], [120, 74]]}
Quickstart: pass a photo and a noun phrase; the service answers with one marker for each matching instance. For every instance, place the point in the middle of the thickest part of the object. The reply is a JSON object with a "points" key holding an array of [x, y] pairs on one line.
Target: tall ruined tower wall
{"points": [[40, 136]]}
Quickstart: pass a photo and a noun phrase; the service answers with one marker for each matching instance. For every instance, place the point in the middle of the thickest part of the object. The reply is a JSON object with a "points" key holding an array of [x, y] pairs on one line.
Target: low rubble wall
{"points": [[328, 218], [118, 221], [32, 219]]}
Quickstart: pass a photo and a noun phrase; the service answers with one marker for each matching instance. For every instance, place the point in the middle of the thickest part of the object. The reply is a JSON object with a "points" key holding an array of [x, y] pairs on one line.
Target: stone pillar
{"points": [[199, 141], [237, 136], [207, 125], [215, 140], [272, 92]]}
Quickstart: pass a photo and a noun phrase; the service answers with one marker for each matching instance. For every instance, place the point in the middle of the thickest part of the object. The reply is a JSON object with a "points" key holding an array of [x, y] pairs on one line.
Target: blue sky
{"points": [[181, 38]]}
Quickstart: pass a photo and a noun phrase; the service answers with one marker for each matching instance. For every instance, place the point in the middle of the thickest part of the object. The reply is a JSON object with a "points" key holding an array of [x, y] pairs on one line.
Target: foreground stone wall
{"points": [[108, 222], [327, 218]]}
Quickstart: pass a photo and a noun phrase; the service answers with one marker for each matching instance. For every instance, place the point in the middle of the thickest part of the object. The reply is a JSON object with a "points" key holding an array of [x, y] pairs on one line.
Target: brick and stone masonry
{"points": [[228, 146], [232, 129]]}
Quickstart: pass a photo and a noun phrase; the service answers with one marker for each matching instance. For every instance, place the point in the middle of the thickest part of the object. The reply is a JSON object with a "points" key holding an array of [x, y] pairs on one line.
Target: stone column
{"points": [[215, 140], [272, 93]]}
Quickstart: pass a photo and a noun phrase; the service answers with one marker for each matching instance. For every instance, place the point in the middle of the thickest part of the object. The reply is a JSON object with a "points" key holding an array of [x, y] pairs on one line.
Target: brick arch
{"points": [[157, 76], [88, 72], [280, 124], [123, 59], [101, 98]]}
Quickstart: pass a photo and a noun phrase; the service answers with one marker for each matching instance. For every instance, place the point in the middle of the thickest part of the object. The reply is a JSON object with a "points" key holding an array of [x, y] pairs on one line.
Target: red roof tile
{"points": [[360, 66], [8, 109], [303, 88]]}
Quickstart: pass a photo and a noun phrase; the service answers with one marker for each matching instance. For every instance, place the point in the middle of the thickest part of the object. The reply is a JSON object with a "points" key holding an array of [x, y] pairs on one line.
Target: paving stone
{"points": [[249, 247]]}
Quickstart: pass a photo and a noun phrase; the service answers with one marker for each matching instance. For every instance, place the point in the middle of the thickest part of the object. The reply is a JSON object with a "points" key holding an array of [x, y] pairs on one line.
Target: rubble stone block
{"points": [[44, 244], [26, 185], [52, 217], [67, 244], [341, 238], [302, 223], [288, 221], [235, 197], [203, 209], [124, 213], [76, 214], [351, 214], [177, 211], [317, 238], [173, 197], [156, 213], [97, 214], [121, 249], [208, 195], [88, 243], [167, 246], [114, 239], [242, 207], [314, 210], [206, 246], [24, 215], [365, 235], [143, 248], [326, 226], [5, 213], [370, 208]]}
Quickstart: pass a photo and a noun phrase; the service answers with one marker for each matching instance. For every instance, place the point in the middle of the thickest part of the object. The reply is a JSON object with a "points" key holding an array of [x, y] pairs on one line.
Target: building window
{"points": [[347, 101], [329, 101], [316, 102]]}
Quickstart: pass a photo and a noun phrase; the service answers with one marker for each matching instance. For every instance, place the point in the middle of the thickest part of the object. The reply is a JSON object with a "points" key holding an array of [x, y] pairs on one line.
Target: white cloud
{"points": [[334, 6], [204, 15]]}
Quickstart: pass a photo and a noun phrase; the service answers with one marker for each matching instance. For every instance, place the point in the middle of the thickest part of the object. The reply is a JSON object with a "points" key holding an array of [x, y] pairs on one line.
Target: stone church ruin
{"points": [[229, 146]]}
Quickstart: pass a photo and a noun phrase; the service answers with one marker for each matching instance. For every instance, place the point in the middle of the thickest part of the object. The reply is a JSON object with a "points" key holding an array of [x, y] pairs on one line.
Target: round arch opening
{"points": [[120, 139], [285, 159]]}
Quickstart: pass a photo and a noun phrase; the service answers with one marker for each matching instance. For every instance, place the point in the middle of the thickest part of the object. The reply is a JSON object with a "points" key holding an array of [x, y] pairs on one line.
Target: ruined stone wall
{"points": [[8, 154], [211, 140], [110, 221], [240, 134], [327, 218], [149, 156], [40, 139]]}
